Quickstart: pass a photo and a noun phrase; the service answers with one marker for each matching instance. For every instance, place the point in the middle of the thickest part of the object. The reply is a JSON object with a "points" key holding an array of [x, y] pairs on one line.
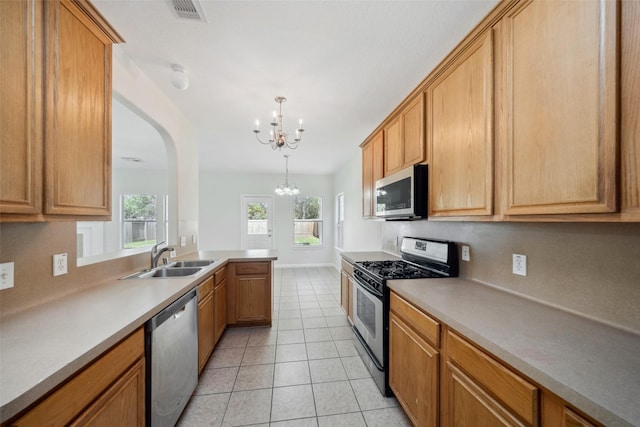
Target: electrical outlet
{"points": [[6, 275], [194, 239], [183, 241], [520, 265], [59, 264], [173, 254], [466, 256]]}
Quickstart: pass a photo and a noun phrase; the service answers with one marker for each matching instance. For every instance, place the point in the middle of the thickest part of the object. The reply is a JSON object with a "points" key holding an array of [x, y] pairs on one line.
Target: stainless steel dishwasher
{"points": [[171, 341]]}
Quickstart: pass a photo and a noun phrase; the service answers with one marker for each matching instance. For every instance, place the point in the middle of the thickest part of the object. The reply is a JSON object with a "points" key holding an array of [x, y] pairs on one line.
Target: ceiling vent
{"points": [[187, 9]]}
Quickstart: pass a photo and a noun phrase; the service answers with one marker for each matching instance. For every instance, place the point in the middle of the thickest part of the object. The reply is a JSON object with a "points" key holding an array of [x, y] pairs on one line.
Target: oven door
{"points": [[368, 319]]}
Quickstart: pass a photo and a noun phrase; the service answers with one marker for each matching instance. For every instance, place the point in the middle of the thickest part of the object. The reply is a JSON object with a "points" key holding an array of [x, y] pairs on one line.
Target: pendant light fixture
{"points": [[284, 189], [278, 138]]}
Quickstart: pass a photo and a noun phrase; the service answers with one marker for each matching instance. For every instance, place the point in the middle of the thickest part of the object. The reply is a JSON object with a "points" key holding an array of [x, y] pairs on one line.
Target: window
{"points": [[340, 221], [144, 220], [307, 221]]}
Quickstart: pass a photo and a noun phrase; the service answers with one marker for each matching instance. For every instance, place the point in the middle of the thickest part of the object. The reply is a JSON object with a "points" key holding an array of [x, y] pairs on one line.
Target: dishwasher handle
{"points": [[175, 310]]}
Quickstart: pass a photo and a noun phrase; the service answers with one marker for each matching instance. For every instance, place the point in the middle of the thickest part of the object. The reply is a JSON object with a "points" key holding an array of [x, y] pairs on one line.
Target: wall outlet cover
{"points": [[6, 275], [183, 241], [519, 265], [466, 255], [59, 264]]}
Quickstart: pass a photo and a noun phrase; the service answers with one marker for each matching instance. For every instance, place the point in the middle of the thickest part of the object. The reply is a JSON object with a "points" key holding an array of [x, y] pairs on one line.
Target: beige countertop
{"points": [[42, 346], [591, 365]]}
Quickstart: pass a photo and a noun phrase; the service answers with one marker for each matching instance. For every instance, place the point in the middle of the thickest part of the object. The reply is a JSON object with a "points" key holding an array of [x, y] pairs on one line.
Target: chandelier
{"points": [[284, 189], [278, 138]]}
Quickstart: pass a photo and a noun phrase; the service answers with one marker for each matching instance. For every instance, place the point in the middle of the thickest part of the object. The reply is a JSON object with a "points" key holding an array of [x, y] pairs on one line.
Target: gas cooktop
{"points": [[397, 269]]}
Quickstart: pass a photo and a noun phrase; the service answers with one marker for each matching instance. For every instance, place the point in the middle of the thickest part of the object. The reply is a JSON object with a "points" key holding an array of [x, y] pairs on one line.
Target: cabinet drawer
{"points": [[517, 393], [220, 275], [205, 288], [427, 327], [347, 267], [252, 268]]}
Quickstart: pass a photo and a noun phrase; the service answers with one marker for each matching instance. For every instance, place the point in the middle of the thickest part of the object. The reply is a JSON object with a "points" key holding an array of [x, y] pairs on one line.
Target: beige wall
{"points": [[31, 247], [591, 269]]}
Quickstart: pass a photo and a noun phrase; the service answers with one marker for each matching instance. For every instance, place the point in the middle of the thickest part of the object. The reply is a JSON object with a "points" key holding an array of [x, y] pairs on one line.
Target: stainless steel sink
{"points": [[176, 272], [193, 263], [165, 272]]}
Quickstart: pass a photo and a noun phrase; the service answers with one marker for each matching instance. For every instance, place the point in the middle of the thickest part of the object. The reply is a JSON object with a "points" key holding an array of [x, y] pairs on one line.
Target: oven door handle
{"points": [[368, 288]]}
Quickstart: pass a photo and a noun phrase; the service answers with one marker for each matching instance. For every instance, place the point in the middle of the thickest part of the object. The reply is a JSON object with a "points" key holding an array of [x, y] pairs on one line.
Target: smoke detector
{"points": [[187, 9]]}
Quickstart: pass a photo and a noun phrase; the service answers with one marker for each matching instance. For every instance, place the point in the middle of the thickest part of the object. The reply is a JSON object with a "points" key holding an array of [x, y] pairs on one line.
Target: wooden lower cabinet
{"points": [[556, 412], [206, 338], [249, 293], [415, 389], [220, 311], [476, 386], [449, 381], [346, 289], [119, 406], [108, 392]]}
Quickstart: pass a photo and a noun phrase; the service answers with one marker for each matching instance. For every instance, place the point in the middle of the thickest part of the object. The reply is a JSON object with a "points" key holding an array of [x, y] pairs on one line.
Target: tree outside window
{"points": [[139, 220], [307, 221]]}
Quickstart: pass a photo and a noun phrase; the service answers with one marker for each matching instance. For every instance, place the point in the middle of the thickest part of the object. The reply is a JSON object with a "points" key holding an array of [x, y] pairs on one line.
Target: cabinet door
{"points": [[121, 405], [558, 77], [205, 330], [468, 403], [393, 150], [368, 185], [21, 107], [220, 298], [253, 299], [460, 123], [630, 109], [78, 113], [415, 389], [344, 292], [413, 132]]}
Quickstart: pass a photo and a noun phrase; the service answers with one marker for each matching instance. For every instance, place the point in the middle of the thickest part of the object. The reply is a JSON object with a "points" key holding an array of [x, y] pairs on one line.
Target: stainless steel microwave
{"points": [[403, 195]]}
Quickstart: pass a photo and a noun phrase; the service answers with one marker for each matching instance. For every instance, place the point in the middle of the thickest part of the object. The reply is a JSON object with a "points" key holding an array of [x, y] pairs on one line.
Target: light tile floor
{"points": [[303, 371]]}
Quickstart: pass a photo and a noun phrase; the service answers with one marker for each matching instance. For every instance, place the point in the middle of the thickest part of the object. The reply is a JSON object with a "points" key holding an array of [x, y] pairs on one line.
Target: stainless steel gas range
{"points": [[421, 259]]}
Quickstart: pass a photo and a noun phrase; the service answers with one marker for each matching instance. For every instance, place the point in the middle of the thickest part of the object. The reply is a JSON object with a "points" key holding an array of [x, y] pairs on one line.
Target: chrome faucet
{"points": [[155, 253]]}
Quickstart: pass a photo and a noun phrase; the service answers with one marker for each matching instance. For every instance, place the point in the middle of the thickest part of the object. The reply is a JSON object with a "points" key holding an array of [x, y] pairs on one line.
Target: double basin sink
{"points": [[174, 269]]}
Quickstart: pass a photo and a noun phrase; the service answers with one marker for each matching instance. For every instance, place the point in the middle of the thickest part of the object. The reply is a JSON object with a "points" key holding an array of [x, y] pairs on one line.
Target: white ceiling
{"points": [[343, 66]]}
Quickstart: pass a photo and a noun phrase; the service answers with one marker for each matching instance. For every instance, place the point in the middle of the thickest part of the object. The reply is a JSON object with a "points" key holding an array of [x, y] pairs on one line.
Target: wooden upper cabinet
{"points": [[557, 82], [404, 138], [460, 134], [21, 108], [412, 119], [78, 119], [372, 170], [630, 109], [56, 111], [393, 152]]}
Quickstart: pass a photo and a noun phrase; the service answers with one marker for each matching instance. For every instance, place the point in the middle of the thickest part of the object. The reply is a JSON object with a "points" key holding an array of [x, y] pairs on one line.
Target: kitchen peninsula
{"points": [[43, 346]]}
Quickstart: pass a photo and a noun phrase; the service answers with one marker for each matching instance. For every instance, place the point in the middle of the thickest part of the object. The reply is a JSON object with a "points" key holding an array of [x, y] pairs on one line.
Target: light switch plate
{"points": [[520, 265], [59, 264], [6, 275]]}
